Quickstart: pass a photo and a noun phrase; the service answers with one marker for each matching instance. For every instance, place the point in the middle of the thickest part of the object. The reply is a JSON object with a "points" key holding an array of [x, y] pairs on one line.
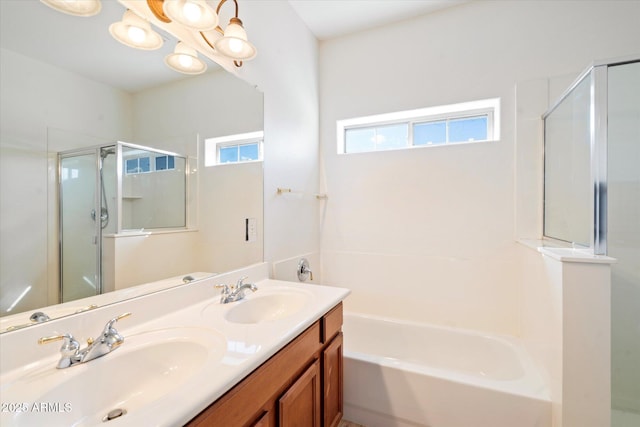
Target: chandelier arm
{"points": [[223, 2], [156, 8]]}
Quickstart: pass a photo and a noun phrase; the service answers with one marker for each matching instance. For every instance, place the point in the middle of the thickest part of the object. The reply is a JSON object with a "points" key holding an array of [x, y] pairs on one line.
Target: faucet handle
{"points": [[109, 326], [304, 270], [68, 351], [69, 346], [111, 322], [110, 336], [225, 288], [240, 281], [87, 308], [122, 316]]}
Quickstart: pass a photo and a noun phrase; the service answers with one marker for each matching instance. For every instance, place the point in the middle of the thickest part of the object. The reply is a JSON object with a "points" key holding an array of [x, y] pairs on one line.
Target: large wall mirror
{"points": [[68, 85]]}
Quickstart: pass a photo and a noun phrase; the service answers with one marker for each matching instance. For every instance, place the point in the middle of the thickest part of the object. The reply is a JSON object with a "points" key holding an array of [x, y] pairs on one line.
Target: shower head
{"points": [[105, 151]]}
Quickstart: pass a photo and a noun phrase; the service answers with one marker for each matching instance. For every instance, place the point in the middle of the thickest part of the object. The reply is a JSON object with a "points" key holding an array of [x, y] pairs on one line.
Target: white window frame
{"points": [[212, 147], [489, 107]]}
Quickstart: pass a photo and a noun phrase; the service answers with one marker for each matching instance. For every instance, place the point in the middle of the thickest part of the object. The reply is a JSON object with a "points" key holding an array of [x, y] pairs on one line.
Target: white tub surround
{"points": [[400, 373], [29, 371], [580, 371]]}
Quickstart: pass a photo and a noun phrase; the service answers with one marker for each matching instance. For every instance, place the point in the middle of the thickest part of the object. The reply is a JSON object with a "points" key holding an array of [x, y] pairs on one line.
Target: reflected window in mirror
{"points": [[239, 148], [154, 189]]}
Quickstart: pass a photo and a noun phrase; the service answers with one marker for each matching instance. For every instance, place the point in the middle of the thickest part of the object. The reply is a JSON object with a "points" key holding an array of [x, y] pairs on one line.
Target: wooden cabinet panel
{"points": [[300, 405], [331, 323], [332, 363], [264, 421]]}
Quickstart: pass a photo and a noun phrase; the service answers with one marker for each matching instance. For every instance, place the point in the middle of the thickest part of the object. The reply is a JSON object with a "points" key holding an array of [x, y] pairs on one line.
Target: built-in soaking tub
{"points": [[398, 373]]}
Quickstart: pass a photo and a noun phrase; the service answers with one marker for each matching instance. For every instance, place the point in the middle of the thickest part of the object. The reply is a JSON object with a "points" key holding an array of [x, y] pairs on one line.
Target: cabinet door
{"points": [[332, 363], [263, 421], [300, 405]]}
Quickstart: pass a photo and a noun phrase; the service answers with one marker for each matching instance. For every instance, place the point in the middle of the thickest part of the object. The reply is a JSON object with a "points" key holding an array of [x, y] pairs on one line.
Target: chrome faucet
{"points": [[70, 352], [39, 317], [235, 292]]}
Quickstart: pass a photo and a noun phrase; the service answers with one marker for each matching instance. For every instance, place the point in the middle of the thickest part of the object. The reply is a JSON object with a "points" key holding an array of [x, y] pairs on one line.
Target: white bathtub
{"points": [[400, 374]]}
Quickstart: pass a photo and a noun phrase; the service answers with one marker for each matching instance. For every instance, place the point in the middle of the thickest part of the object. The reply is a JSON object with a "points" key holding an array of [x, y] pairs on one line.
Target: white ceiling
{"points": [[333, 18], [85, 46]]}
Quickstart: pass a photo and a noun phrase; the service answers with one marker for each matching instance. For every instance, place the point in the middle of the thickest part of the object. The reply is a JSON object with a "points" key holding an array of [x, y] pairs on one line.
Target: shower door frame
{"points": [[598, 146], [97, 203]]}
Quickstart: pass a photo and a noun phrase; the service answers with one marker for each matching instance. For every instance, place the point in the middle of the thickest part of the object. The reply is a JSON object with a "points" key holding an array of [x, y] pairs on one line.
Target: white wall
{"points": [[286, 70], [428, 234]]}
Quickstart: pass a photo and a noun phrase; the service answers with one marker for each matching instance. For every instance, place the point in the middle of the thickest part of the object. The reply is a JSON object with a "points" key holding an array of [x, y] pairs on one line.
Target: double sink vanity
{"points": [[187, 357]]}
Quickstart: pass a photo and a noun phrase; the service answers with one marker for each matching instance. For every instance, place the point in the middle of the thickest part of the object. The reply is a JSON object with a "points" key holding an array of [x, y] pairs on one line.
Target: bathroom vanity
{"points": [[300, 385], [273, 358]]}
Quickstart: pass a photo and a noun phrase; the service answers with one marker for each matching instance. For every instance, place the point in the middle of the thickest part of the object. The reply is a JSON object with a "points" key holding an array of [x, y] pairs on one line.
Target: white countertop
{"points": [[239, 349]]}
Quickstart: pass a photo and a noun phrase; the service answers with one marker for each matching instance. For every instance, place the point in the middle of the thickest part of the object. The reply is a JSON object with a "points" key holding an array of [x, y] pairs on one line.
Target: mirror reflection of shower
{"points": [[79, 195], [108, 190], [104, 209]]}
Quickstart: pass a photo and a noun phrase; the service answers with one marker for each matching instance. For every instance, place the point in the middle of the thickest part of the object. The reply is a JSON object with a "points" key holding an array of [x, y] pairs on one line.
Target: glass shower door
{"points": [[568, 212], [79, 249]]}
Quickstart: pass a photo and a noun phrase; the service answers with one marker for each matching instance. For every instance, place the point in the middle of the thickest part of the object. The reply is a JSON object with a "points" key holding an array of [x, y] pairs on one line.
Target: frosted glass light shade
{"points": [[234, 43], [184, 59], [195, 14], [136, 32], [75, 7]]}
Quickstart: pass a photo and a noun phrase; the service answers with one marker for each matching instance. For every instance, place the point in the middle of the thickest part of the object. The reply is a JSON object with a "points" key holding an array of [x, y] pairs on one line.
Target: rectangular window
{"points": [[165, 163], [138, 165], [143, 164], [449, 124], [240, 148]]}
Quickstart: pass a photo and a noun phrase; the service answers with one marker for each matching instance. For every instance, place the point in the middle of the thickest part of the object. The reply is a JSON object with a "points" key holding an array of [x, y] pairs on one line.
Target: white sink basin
{"points": [[146, 367], [268, 307]]}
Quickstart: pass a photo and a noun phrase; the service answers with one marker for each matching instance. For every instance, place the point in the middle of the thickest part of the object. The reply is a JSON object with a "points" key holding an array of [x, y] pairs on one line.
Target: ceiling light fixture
{"points": [[135, 31], [184, 59], [195, 14], [232, 42], [191, 20], [75, 7]]}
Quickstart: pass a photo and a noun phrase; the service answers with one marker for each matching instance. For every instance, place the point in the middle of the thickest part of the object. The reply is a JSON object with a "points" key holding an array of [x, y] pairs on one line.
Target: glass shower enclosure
{"points": [[109, 190], [592, 201], [86, 184]]}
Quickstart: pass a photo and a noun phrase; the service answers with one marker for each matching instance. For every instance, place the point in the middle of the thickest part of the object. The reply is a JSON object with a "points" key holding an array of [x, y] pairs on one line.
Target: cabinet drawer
{"points": [[331, 323]]}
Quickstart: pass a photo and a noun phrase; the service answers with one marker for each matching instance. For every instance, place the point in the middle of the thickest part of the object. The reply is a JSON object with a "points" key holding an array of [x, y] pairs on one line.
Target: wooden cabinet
{"points": [[300, 386], [332, 382], [263, 421], [300, 405]]}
